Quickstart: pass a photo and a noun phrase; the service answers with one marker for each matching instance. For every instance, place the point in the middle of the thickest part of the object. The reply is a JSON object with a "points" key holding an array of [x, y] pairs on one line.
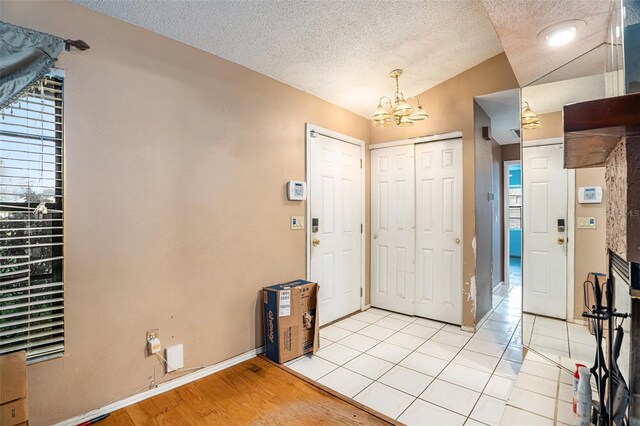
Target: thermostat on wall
{"points": [[296, 190], [590, 195]]}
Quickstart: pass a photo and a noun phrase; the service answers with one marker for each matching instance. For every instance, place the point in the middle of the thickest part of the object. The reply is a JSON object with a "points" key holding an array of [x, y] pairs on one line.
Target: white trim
{"points": [[366, 307], [418, 139], [309, 128], [541, 142], [505, 208], [571, 244], [163, 387]]}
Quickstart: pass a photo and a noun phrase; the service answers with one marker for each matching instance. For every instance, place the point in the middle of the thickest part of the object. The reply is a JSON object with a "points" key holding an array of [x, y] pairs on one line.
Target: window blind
{"points": [[31, 222]]}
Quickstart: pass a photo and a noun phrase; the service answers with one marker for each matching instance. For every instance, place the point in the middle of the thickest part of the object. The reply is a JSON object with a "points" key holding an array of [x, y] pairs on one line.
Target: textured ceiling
{"points": [[504, 110], [588, 64], [339, 51], [552, 97], [518, 24]]}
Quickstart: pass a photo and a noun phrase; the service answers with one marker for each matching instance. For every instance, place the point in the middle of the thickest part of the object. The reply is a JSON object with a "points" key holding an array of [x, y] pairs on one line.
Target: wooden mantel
{"points": [[593, 128]]}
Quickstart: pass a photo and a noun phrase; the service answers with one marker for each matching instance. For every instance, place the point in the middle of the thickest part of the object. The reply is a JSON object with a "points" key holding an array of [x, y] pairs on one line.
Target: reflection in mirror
{"points": [[497, 208], [563, 233]]}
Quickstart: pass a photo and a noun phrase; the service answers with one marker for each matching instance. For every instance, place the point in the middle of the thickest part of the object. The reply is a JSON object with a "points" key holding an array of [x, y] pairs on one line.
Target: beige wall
{"points": [[450, 107], [176, 214], [551, 127], [590, 244], [510, 152]]}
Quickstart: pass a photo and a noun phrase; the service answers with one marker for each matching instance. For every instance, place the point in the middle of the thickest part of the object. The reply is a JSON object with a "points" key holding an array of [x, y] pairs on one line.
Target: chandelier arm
{"points": [[388, 100], [416, 99]]}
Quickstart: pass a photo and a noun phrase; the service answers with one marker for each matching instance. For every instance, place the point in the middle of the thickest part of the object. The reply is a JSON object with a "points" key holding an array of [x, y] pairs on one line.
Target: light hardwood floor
{"points": [[255, 392]]}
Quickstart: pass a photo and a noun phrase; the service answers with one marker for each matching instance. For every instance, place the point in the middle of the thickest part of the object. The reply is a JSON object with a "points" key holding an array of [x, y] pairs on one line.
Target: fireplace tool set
{"points": [[612, 389]]}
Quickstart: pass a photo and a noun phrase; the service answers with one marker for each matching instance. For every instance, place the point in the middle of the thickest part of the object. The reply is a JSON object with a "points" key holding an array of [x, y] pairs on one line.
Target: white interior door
{"points": [[335, 198], [544, 261], [439, 230], [393, 228]]}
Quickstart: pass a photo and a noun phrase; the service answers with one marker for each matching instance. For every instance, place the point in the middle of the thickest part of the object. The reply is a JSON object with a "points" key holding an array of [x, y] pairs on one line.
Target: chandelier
{"points": [[529, 119], [400, 111]]}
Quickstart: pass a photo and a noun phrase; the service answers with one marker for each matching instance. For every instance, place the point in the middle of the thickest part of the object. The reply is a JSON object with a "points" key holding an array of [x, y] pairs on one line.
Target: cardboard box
{"points": [[13, 377], [290, 320], [14, 412]]}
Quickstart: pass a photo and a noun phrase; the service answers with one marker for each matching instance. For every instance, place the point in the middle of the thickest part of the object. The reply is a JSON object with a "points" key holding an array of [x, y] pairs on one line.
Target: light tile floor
{"points": [[558, 337], [420, 371], [542, 393], [564, 339]]}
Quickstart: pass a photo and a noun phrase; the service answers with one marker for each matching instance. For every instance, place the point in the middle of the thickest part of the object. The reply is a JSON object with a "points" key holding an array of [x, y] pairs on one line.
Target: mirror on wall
{"points": [[563, 239], [497, 215]]}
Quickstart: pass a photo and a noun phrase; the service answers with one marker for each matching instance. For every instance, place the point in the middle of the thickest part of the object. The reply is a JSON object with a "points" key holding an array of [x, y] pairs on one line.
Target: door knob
{"points": [[457, 240], [375, 236], [560, 240], [315, 242]]}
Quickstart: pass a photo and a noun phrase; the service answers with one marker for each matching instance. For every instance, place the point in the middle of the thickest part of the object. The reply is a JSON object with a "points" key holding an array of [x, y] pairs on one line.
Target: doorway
{"points": [[513, 222], [335, 218]]}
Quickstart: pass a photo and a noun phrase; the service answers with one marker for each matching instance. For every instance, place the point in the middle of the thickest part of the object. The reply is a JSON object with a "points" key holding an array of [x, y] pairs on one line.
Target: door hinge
{"points": [[361, 163], [360, 291], [361, 228]]}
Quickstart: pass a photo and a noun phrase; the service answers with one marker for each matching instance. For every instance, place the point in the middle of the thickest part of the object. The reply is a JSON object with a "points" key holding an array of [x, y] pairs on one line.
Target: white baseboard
{"points": [[367, 307], [163, 387]]}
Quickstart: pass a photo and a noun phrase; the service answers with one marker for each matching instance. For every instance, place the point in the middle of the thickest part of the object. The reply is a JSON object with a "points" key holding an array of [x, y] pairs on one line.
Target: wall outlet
{"points": [[153, 333], [297, 222], [586, 222], [153, 341], [175, 357]]}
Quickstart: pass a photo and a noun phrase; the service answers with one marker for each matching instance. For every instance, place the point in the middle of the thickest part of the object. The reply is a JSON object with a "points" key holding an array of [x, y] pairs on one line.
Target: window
{"points": [[31, 222]]}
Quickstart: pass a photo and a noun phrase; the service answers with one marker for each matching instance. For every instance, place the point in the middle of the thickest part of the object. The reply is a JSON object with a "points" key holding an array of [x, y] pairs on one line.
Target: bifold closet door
{"points": [[393, 228], [439, 230]]}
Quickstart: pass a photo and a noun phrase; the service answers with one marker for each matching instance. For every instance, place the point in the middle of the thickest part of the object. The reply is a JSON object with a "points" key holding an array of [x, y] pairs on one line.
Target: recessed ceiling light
{"points": [[561, 33], [561, 36]]}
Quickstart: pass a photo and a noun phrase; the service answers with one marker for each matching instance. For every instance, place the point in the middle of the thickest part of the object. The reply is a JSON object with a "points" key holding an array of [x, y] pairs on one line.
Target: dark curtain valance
{"points": [[25, 56]]}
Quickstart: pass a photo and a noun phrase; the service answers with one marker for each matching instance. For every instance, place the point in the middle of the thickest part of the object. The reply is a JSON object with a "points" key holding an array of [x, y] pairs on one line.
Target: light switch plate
{"points": [[586, 222], [297, 222]]}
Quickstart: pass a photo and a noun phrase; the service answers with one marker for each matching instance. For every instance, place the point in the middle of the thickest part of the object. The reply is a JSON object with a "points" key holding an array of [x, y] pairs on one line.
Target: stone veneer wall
{"points": [[623, 201], [616, 179]]}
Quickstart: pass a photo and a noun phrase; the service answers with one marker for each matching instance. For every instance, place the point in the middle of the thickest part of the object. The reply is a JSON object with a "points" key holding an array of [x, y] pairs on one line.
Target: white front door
{"points": [[439, 230], [544, 261], [393, 228], [335, 198]]}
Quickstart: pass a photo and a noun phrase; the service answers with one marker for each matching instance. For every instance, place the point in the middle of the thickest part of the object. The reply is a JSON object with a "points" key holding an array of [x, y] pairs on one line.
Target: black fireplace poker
{"points": [[605, 369]]}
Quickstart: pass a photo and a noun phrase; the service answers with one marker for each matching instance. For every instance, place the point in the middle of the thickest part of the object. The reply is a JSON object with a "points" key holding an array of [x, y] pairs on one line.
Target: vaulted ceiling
{"points": [[343, 51], [519, 23]]}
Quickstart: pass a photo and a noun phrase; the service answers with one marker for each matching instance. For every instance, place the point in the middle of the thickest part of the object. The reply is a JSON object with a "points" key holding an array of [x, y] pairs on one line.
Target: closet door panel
{"points": [[393, 228]]}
